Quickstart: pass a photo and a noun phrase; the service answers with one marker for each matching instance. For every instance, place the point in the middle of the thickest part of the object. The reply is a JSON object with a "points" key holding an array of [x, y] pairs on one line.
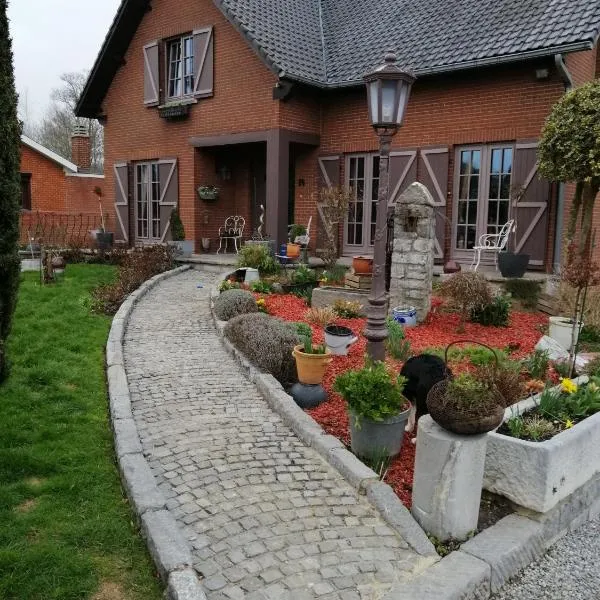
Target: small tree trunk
{"points": [[575, 210], [574, 332], [587, 212]]}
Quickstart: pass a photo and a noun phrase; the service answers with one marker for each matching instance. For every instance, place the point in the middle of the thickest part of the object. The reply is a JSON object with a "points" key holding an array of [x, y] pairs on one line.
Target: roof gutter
{"points": [[561, 66]]}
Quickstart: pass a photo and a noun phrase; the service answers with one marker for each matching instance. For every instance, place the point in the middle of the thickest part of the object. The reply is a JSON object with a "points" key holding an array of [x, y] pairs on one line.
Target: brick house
{"points": [[265, 100]]}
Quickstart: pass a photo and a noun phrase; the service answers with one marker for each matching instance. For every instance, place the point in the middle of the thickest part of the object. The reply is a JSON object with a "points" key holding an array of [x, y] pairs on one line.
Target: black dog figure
{"points": [[422, 372]]}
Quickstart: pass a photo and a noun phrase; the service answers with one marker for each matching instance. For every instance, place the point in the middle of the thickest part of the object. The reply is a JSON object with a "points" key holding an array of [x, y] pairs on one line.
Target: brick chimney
{"points": [[81, 152]]}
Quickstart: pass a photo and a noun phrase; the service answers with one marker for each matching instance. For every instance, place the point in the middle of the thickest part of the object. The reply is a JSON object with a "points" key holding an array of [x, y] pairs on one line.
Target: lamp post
{"points": [[388, 89]]}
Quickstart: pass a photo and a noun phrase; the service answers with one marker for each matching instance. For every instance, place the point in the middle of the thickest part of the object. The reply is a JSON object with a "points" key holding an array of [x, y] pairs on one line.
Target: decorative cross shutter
{"points": [[402, 172], [204, 62], [433, 174], [151, 74], [531, 213], [169, 193], [121, 171], [329, 171]]}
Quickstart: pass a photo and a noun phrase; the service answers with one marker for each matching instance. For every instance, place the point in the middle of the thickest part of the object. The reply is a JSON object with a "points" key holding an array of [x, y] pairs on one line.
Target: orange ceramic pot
{"points": [[362, 265], [293, 250], [311, 367]]}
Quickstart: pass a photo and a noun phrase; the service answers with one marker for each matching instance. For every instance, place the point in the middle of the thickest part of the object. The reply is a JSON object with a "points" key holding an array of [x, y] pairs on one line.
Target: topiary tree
{"points": [[177, 229], [10, 188], [569, 151]]}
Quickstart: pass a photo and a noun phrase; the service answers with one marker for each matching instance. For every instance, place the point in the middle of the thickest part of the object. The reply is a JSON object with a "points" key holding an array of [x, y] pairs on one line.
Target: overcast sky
{"points": [[51, 37]]}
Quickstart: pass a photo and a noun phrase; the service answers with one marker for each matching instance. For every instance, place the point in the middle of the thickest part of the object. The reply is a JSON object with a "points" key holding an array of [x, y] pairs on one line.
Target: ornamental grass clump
{"points": [[506, 378], [267, 342], [372, 393], [232, 303], [467, 292]]}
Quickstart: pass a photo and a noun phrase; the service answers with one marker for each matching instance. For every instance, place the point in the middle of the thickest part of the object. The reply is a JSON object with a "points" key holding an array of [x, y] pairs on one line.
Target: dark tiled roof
{"points": [[331, 43]]}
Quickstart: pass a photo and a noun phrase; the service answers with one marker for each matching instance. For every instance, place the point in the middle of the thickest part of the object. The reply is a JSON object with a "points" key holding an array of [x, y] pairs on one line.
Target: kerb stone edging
{"points": [[483, 564], [167, 545]]}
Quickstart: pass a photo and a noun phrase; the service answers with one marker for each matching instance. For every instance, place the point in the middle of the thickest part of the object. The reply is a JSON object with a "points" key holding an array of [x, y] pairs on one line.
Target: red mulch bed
{"points": [[521, 335]]}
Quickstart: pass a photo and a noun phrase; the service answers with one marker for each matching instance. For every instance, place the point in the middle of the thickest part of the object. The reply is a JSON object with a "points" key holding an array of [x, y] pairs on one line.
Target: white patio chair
{"points": [[492, 242], [232, 230]]}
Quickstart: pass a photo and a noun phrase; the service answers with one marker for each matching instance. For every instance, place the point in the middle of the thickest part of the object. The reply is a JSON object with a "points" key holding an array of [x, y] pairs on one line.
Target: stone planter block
{"points": [[447, 481]]}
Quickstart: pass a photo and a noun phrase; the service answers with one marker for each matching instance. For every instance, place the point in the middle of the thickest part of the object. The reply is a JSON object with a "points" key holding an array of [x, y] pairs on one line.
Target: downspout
{"points": [[567, 80]]}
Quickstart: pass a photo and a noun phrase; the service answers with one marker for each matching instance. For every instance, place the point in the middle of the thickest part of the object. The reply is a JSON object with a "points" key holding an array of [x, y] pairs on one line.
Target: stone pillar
{"points": [[447, 481], [413, 254]]}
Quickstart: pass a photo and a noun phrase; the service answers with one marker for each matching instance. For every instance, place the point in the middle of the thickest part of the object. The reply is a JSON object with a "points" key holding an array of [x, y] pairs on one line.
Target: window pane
{"points": [[476, 162], [462, 212], [359, 212], [470, 236], [472, 215], [376, 166], [360, 168], [503, 212], [351, 212], [464, 187], [350, 233], [505, 187], [474, 188], [494, 186], [507, 160], [493, 212], [465, 161], [496, 162], [359, 234]]}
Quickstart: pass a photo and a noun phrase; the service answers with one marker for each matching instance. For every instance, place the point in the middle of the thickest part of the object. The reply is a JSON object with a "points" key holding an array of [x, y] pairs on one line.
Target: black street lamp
{"points": [[388, 89]]}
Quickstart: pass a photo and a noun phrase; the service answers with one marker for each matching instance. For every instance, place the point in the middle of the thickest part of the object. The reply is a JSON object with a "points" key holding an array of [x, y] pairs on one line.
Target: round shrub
{"points": [[232, 303], [267, 342]]}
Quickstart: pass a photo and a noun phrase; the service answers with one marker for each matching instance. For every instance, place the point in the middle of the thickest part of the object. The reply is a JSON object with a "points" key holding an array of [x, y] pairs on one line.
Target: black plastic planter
{"points": [[104, 240], [512, 265]]}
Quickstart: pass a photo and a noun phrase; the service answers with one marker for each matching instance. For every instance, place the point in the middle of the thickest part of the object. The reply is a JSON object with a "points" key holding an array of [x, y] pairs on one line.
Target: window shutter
{"points": [[204, 62], [169, 194], [151, 74], [531, 213], [121, 171], [402, 172], [433, 174], [329, 171]]}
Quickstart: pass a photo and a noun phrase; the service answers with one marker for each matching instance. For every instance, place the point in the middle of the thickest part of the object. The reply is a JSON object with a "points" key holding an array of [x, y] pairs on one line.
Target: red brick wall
{"points": [[81, 197], [48, 185]]}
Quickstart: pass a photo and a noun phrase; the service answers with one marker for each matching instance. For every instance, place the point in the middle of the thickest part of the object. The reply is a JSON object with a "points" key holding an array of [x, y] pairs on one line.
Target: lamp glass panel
{"points": [[388, 101], [374, 101]]}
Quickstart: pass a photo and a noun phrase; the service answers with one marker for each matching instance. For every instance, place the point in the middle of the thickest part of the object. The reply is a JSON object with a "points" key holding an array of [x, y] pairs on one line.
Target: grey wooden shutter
{"points": [[329, 172], [203, 62], [169, 194], [433, 174], [121, 171], [402, 172], [531, 212], [151, 74]]}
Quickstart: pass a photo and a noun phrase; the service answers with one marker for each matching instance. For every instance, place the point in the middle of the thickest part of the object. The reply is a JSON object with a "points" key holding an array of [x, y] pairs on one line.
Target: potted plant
{"points": [[184, 247], [296, 230], [339, 339], [466, 405], [513, 264], [377, 409], [303, 278], [362, 265], [311, 360], [104, 239], [208, 193]]}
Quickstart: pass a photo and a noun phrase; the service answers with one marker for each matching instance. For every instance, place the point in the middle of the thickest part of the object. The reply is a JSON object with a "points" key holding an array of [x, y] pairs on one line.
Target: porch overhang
{"points": [[278, 143]]}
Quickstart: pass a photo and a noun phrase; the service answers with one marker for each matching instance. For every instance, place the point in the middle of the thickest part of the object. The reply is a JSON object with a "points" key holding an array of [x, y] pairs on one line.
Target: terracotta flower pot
{"points": [[362, 265], [311, 367], [293, 250]]}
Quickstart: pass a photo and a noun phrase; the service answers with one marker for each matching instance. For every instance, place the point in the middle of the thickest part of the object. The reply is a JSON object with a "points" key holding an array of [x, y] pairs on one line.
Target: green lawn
{"points": [[66, 530]]}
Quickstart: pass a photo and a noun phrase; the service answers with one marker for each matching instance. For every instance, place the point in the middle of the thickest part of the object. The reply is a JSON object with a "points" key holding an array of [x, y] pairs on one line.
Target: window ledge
{"points": [[175, 103]]}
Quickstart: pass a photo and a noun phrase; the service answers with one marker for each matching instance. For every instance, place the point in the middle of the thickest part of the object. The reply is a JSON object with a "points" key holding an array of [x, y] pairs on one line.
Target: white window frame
{"points": [[183, 60], [149, 187]]}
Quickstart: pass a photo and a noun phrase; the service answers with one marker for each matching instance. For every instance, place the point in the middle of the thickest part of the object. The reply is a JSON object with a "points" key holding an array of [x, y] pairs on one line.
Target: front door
{"points": [[482, 192], [362, 178], [147, 203]]}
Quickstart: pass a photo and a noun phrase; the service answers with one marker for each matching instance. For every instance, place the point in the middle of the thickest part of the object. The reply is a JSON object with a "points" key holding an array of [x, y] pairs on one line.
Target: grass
{"points": [[67, 531]]}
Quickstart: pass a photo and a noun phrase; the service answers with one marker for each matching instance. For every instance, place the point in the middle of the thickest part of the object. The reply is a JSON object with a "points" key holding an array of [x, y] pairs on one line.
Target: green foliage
{"points": [[525, 290], [257, 256], [372, 392], [506, 378], [477, 355], [226, 284], [177, 229], [334, 274], [66, 527], [138, 266], [261, 286], [267, 342], [493, 314], [569, 149], [303, 329], [347, 309], [232, 303], [467, 391], [593, 367], [397, 345], [563, 368], [304, 275], [307, 345], [532, 427], [467, 291], [537, 364], [296, 230], [303, 293], [10, 190], [560, 405]]}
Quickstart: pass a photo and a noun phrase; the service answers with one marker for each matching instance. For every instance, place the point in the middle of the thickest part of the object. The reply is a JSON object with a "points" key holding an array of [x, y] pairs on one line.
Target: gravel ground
{"points": [[569, 571]]}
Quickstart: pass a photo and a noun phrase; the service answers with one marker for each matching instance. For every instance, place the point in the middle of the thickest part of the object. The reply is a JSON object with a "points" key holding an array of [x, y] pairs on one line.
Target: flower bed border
{"points": [[538, 475], [483, 564]]}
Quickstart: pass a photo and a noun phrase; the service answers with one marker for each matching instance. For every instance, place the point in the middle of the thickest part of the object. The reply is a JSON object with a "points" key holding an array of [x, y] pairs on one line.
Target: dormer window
{"points": [[180, 71]]}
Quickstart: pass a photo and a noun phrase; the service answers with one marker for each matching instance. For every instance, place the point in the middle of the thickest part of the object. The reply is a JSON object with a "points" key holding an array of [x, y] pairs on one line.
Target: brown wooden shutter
{"points": [[433, 174], [531, 212], [169, 194], [402, 172], [121, 171], [151, 75], [329, 172], [204, 62]]}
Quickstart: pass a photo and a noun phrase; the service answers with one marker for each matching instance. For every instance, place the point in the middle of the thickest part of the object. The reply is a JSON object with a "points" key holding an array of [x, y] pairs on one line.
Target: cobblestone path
{"points": [[266, 516]]}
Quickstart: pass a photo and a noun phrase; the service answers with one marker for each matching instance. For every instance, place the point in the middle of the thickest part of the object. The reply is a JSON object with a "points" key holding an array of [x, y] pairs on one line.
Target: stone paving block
{"points": [[165, 542], [184, 585], [140, 484], [356, 472], [120, 406], [507, 547], [458, 576], [117, 380], [126, 437]]}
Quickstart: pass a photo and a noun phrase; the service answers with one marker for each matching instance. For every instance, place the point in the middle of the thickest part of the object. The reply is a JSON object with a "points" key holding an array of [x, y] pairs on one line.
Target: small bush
{"points": [[467, 292], [335, 274], [592, 368], [537, 364], [261, 287], [232, 303], [138, 266], [320, 316], [303, 275], [493, 314], [347, 309], [397, 345], [525, 290], [177, 229], [303, 329], [257, 256], [267, 342]]}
